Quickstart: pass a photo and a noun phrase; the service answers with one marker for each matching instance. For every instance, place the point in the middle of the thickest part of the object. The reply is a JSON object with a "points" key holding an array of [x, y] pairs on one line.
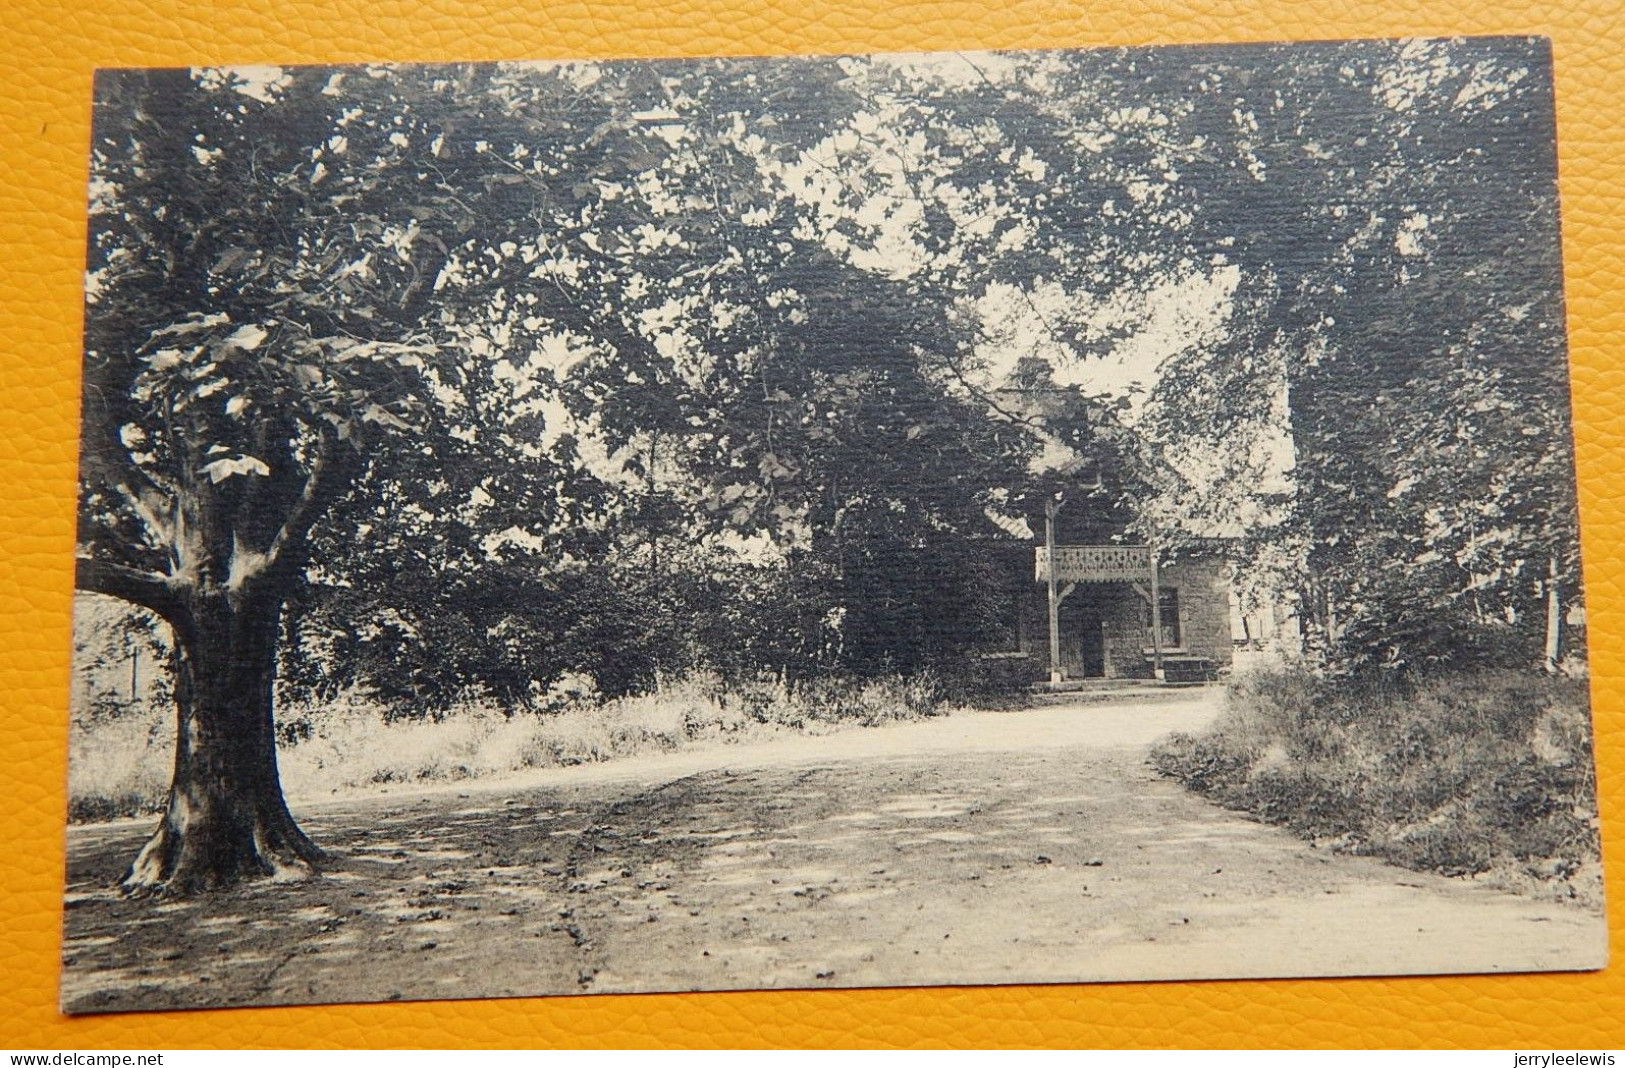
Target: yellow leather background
{"points": [[50, 48]]}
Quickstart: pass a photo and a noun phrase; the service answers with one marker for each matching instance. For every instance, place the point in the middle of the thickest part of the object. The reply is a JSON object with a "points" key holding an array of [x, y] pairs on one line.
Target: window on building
{"points": [[1169, 597]]}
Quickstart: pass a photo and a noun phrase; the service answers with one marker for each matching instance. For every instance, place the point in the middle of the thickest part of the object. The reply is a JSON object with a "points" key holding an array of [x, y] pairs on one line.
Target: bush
{"points": [[1459, 774], [998, 680]]}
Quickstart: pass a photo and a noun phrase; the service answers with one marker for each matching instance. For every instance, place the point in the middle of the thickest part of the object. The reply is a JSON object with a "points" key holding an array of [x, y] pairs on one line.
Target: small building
{"points": [[1106, 625], [1126, 612], [1113, 605]]}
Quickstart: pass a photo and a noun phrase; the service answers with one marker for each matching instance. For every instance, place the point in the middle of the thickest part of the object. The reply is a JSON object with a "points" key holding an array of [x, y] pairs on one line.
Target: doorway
{"points": [[1083, 639]]}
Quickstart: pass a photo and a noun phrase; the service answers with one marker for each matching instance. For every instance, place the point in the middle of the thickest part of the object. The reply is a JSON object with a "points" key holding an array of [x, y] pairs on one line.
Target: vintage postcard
{"points": [[855, 521]]}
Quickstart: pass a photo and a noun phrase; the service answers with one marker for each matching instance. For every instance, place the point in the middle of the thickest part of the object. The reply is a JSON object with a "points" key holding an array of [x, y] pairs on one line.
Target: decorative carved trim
{"points": [[1095, 563]]}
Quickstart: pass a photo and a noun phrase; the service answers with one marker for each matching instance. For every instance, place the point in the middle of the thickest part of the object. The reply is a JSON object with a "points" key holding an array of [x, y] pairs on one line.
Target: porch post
{"points": [[1050, 508], [1156, 618]]}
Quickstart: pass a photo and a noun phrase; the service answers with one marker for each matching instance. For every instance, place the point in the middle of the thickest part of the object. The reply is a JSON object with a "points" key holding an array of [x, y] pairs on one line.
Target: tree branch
{"points": [[147, 589], [161, 535], [328, 478]]}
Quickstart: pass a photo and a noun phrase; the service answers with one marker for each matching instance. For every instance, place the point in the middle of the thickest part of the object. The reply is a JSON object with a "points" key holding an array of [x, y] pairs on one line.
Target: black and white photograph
{"points": [[979, 518]]}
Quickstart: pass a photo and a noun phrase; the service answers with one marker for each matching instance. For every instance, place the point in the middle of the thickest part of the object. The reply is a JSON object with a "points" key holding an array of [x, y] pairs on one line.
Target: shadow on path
{"points": [[980, 848]]}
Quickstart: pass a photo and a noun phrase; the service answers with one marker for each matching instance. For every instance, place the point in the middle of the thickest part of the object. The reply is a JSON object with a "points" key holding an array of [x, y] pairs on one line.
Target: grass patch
{"points": [[121, 766], [1483, 773]]}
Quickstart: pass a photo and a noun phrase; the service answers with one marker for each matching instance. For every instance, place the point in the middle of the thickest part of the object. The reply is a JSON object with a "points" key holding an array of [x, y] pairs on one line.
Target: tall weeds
{"points": [[120, 766], [1458, 774]]}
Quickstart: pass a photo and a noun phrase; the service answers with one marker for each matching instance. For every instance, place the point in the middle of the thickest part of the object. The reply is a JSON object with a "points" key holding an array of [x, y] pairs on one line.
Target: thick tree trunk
{"points": [[226, 819]]}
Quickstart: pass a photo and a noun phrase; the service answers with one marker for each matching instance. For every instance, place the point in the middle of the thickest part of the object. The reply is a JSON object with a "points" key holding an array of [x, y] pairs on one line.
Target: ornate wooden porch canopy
{"points": [[1095, 563], [1134, 564]]}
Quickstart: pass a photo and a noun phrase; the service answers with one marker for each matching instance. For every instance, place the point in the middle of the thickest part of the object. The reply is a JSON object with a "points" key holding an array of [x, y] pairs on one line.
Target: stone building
{"points": [[1105, 617], [1116, 607], [1104, 614]]}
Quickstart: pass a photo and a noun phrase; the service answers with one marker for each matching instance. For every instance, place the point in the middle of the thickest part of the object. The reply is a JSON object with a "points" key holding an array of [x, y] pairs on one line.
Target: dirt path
{"points": [[983, 848]]}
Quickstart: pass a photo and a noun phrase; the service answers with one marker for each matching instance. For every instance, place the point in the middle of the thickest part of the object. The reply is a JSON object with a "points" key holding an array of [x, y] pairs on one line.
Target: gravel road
{"points": [[1031, 846]]}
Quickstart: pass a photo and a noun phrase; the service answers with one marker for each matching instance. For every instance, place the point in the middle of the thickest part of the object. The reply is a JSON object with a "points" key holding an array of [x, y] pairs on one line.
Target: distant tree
{"points": [[120, 655]]}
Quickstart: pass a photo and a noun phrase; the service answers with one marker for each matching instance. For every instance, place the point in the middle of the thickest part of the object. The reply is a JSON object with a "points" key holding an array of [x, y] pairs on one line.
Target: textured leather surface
{"points": [[52, 46]]}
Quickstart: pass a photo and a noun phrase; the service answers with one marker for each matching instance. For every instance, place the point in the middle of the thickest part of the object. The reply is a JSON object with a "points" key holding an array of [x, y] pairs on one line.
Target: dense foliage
{"points": [[453, 382], [615, 312], [1397, 317]]}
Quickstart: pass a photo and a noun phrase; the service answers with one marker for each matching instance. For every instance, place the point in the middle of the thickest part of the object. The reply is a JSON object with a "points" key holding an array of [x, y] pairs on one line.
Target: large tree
{"points": [[1386, 412], [274, 328], [331, 320]]}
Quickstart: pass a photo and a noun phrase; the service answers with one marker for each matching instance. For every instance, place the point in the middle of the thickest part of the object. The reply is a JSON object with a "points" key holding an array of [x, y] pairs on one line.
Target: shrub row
{"points": [[1457, 774]]}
